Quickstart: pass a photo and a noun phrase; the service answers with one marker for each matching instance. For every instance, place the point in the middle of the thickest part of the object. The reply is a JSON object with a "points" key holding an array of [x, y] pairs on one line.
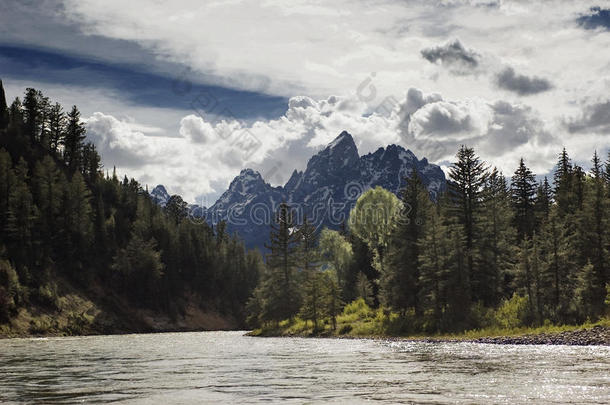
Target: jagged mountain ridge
{"points": [[325, 191], [160, 195]]}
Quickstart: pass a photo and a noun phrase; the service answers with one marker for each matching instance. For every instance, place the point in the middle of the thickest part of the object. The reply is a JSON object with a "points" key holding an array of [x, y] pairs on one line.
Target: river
{"points": [[225, 367]]}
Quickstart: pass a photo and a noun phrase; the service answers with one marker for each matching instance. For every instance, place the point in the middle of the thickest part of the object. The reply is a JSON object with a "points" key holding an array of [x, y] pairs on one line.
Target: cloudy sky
{"points": [[186, 93]]}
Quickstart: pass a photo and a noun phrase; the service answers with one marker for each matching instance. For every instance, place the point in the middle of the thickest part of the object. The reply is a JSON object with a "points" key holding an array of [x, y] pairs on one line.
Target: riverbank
{"points": [[597, 334], [74, 311], [358, 321]]}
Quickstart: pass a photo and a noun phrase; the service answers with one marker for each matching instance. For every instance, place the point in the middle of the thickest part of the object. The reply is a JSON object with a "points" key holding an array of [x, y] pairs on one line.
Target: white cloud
{"points": [[209, 154], [195, 129]]}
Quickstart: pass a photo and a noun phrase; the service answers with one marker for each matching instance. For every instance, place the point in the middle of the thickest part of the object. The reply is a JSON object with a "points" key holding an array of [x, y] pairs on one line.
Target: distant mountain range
{"points": [[325, 192]]}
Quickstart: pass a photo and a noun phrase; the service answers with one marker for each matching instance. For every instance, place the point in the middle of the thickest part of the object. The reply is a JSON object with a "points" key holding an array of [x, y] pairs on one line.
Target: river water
{"points": [[225, 367]]}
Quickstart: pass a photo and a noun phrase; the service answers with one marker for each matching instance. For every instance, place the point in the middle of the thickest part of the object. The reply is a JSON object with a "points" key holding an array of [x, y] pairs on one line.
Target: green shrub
{"points": [[46, 295], [40, 326], [78, 324], [512, 313], [11, 291]]}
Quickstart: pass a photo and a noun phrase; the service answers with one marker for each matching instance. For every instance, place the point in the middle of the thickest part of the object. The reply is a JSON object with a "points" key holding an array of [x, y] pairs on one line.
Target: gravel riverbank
{"points": [[598, 335]]}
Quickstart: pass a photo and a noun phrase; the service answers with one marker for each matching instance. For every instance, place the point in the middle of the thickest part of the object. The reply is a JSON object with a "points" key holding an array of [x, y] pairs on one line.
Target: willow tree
{"points": [[337, 252], [373, 218]]}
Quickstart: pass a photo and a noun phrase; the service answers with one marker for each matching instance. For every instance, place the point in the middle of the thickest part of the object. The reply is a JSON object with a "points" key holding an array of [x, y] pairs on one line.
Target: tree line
{"points": [[62, 217], [488, 244]]}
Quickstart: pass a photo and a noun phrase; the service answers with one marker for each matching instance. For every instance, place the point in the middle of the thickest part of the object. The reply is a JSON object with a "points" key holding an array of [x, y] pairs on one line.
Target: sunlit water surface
{"points": [[213, 367]]}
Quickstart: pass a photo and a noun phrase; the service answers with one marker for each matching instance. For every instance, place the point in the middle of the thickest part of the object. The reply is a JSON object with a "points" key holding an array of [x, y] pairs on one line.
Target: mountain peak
{"points": [[160, 195], [247, 177], [341, 153], [344, 140]]}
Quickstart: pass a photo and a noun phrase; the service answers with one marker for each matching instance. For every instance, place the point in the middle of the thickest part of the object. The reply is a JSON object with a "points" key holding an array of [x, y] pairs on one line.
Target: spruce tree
{"points": [[434, 247], [21, 218], [593, 238], [562, 180], [314, 287], [48, 185], [467, 178], [7, 182], [281, 293], [528, 277], [523, 191], [559, 269], [4, 115], [399, 284], [497, 242], [32, 113], [543, 201], [57, 127], [73, 141], [77, 222]]}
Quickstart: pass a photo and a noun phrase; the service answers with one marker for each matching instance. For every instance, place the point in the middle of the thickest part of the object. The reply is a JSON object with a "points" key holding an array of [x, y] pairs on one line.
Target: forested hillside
{"points": [[83, 251], [491, 253]]}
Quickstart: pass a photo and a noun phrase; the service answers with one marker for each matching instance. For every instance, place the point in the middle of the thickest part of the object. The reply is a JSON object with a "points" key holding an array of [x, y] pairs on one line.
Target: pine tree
{"points": [[57, 127], [314, 283], [467, 177], [48, 184], [497, 242], [33, 114], [433, 258], [527, 279], [607, 174], [281, 293], [593, 236], [4, 115], [139, 267], [333, 302], [542, 204], [73, 141], [307, 242], [562, 180], [523, 191], [314, 296], [399, 284], [7, 182], [579, 178], [558, 271], [78, 225], [91, 163], [177, 209], [21, 217]]}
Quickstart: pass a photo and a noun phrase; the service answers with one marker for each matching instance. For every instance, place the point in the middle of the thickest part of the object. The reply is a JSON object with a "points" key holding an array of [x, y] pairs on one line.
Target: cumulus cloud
{"points": [[523, 85], [196, 129], [454, 56], [500, 131], [120, 142], [595, 118]]}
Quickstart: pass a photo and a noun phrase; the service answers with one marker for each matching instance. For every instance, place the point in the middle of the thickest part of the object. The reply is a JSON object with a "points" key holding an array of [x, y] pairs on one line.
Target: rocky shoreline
{"points": [[596, 336]]}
